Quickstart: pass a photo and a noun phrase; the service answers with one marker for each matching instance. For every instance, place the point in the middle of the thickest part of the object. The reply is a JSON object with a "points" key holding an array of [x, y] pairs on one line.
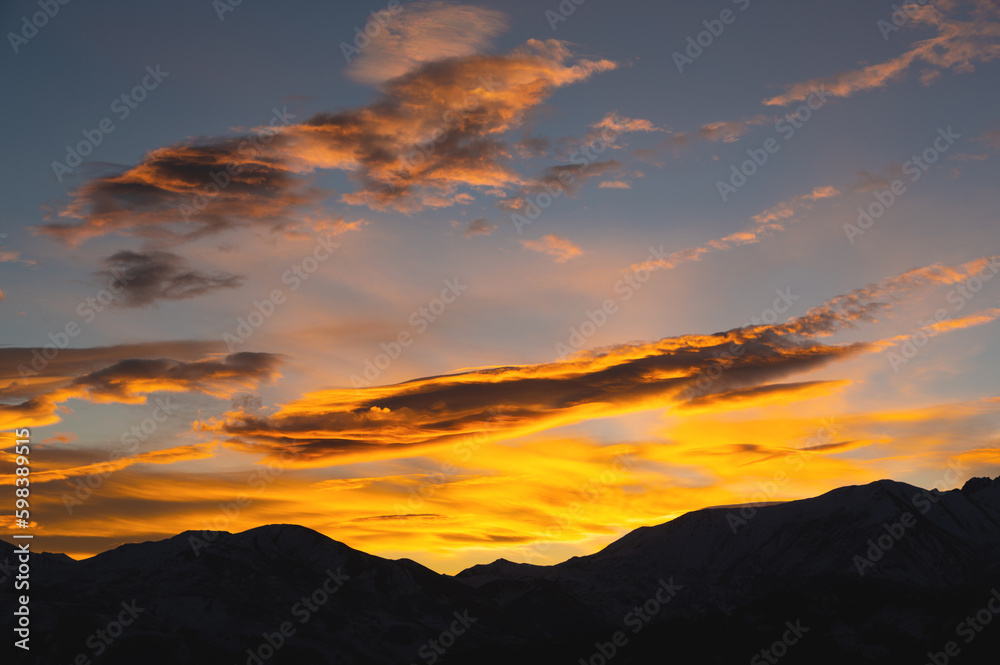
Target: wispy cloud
{"points": [[959, 45], [421, 32], [764, 225], [479, 227], [561, 249], [726, 131], [164, 456], [10, 256]]}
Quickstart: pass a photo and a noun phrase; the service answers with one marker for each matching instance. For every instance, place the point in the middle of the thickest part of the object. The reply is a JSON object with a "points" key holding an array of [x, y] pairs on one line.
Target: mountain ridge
{"points": [[868, 567]]}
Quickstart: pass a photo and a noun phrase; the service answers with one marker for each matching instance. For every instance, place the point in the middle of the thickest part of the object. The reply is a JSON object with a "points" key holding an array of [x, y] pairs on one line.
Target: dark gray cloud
{"points": [[147, 277], [479, 227]]}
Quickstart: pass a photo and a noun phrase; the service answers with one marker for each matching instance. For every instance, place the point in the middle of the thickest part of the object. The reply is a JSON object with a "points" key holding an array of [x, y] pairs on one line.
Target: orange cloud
{"points": [[430, 132], [165, 456], [609, 129], [727, 131], [759, 396], [620, 124], [544, 498], [555, 246], [557, 180], [863, 305], [175, 194], [421, 32], [764, 225], [15, 257], [958, 46], [123, 380], [412, 417]]}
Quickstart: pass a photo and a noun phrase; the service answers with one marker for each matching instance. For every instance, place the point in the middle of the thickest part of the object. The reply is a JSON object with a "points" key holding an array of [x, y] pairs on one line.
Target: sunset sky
{"points": [[490, 282]]}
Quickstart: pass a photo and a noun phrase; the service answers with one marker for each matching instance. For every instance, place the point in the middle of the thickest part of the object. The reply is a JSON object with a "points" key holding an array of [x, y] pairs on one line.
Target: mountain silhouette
{"points": [[885, 572]]}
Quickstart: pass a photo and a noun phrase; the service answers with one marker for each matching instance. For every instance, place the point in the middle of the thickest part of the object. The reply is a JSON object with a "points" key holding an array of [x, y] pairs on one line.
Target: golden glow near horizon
{"points": [[473, 298], [493, 462]]}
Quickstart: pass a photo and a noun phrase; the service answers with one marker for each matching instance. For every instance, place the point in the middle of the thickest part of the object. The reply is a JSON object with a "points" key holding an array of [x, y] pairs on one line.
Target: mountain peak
{"points": [[500, 568], [974, 485], [282, 540], [796, 558]]}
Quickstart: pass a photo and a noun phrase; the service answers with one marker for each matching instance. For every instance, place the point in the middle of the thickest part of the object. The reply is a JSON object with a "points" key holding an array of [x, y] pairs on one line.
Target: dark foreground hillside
{"points": [[885, 573]]}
